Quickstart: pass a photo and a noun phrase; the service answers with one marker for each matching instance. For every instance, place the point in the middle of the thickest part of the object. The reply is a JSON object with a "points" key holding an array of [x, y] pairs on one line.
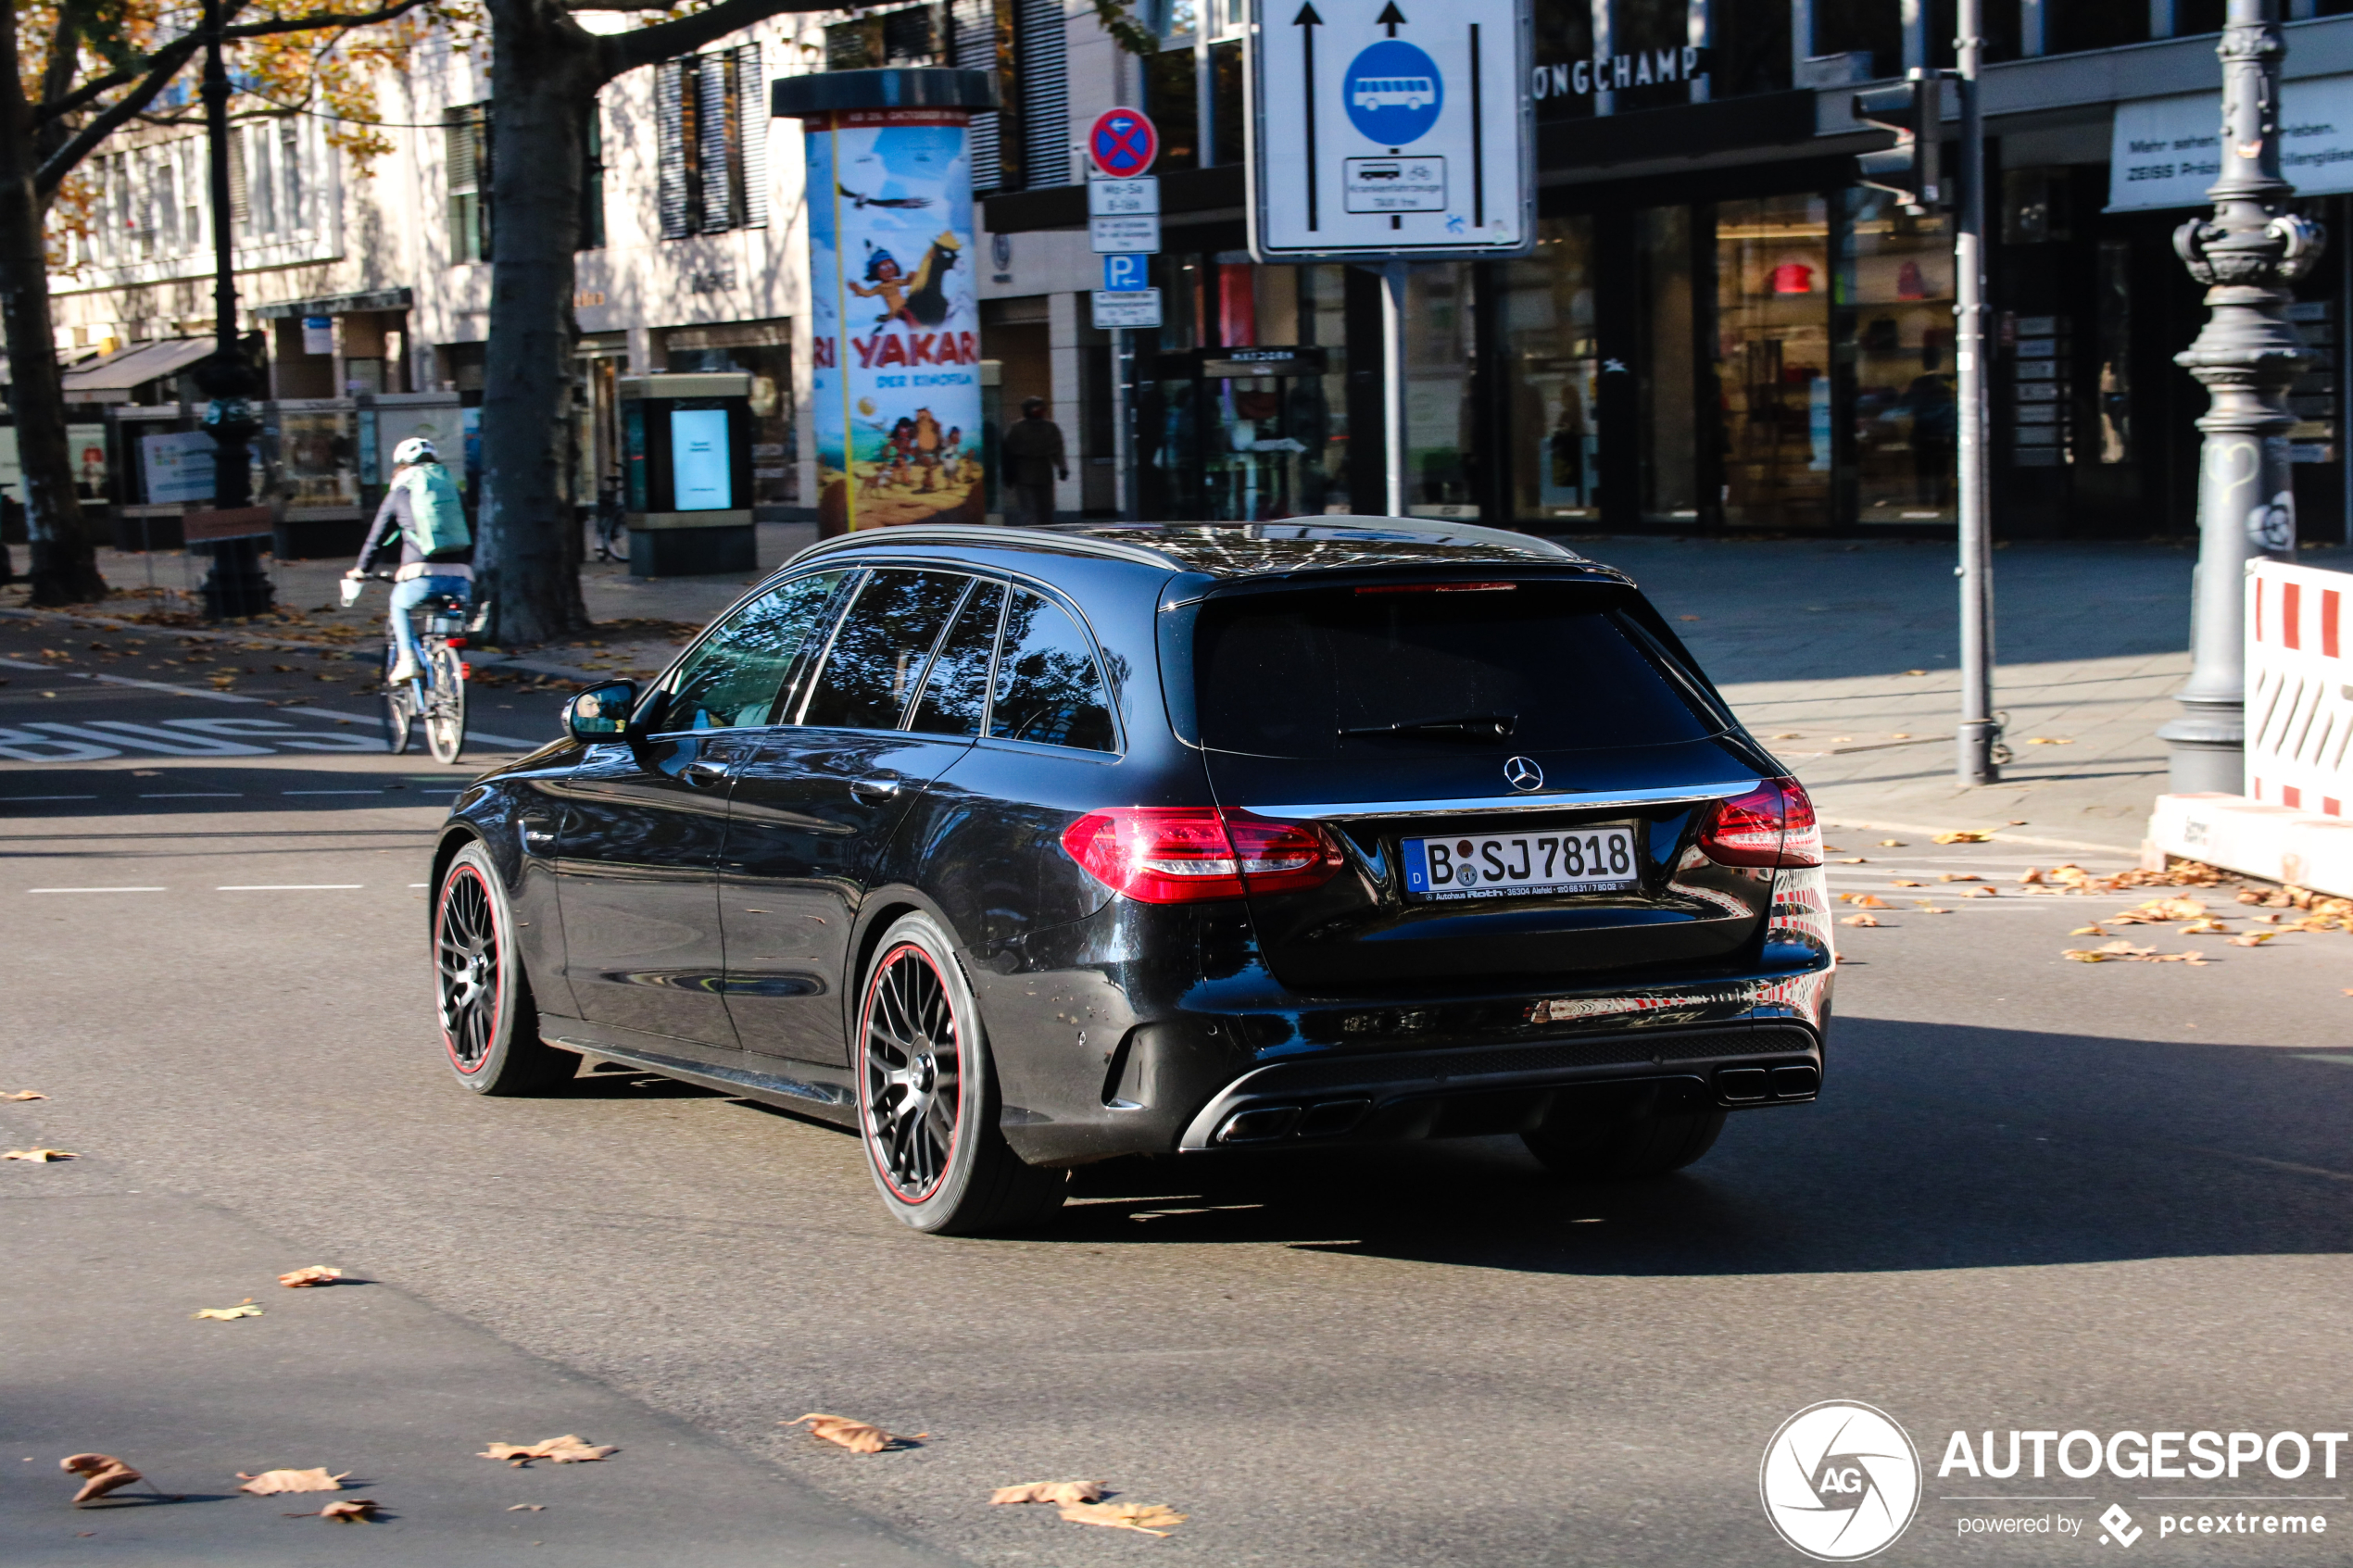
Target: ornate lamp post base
{"points": [[2247, 253]]}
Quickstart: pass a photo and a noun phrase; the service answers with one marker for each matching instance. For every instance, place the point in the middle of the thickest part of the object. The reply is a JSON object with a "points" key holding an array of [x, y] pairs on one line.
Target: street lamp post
{"points": [[236, 586], [2247, 253]]}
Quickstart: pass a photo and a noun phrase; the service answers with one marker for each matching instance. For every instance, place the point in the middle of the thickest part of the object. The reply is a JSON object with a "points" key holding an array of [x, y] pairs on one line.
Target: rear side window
{"points": [[1340, 673], [957, 693], [1048, 689], [880, 651], [737, 672]]}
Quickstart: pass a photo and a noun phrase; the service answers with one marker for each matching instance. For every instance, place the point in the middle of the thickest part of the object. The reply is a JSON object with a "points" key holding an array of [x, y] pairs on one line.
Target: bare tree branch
{"points": [[53, 105], [621, 51], [57, 165]]}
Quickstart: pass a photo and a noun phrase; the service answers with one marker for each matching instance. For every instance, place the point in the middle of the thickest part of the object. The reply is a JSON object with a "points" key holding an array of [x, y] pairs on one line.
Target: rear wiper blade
{"points": [[1483, 726]]}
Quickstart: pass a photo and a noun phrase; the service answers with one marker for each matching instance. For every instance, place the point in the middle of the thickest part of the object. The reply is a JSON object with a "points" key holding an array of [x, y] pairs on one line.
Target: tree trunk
{"points": [[65, 563], [544, 80]]}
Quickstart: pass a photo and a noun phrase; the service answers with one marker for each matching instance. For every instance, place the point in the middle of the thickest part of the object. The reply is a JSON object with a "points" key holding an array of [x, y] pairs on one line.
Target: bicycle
{"points": [[437, 692]]}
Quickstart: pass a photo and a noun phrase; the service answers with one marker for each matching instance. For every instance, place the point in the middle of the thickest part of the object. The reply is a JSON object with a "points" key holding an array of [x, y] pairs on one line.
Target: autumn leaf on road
{"points": [[1964, 835], [270, 1482], [527, 1508], [2252, 938], [1928, 909], [2031, 875], [858, 1437], [25, 1094], [2124, 952], [1892, 843], [40, 1155], [347, 1510], [100, 1473], [1148, 1518], [245, 1309], [1959, 876], [1050, 1491], [2048, 740], [566, 1449], [302, 1279], [2088, 931], [1900, 882], [1863, 900], [1860, 920]]}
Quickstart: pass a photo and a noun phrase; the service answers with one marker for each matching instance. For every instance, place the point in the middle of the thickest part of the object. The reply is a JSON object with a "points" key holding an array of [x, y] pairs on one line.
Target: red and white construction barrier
{"points": [[2290, 825]]}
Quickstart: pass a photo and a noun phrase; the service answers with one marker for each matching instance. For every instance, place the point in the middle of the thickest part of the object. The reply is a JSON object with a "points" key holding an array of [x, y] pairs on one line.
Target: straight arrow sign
{"points": [[1307, 21], [1391, 18]]}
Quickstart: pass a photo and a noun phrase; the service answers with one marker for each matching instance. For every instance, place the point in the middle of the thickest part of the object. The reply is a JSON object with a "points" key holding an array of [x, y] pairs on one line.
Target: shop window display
{"points": [[1551, 369], [1440, 351], [1772, 359], [1895, 288]]}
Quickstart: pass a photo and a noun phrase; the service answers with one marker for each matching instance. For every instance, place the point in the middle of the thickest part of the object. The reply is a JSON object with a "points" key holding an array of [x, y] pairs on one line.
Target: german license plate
{"points": [[1505, 865]]}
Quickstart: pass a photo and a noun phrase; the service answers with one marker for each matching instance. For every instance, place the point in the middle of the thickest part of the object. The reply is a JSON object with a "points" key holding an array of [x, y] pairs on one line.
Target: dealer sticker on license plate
{"points": [[1503, 865]]}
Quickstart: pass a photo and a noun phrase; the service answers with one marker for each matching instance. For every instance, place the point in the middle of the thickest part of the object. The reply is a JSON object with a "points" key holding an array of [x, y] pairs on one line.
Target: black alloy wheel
{"points": [[927, 1103], [915, 1073], [489, 1025]]}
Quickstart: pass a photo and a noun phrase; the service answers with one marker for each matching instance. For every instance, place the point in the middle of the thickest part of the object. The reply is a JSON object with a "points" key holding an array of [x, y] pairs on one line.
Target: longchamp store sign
{"points": [[2166, 151]]}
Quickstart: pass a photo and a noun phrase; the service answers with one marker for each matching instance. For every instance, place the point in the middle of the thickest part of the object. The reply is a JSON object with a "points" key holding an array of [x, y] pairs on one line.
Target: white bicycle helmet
{"points": [[416, 449]]}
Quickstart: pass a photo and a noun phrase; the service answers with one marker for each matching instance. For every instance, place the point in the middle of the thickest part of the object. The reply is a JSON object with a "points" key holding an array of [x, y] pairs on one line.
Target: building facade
{"points": [[1718, 329]]}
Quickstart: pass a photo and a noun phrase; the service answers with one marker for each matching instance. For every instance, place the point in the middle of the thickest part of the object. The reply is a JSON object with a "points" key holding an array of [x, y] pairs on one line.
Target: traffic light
{"points": [[1914, 110]]}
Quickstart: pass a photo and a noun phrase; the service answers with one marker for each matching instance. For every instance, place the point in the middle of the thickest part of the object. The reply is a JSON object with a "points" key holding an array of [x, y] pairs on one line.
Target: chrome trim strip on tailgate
{"points": [[1491, 805]]}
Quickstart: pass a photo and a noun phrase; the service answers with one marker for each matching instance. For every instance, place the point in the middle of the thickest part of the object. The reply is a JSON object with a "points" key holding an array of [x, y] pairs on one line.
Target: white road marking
{"points": [[472, 735], [8, 797], [287, 887], [330, 792], [197, 795], [95, 890]]}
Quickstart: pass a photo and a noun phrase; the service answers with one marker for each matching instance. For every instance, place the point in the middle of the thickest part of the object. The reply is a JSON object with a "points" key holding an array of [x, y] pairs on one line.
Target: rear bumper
{"points": [[1504, 1088]]}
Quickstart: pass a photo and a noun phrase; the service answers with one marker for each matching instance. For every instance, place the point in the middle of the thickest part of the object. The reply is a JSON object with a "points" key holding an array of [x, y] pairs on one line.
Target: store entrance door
{"points": [[1236, 434]]}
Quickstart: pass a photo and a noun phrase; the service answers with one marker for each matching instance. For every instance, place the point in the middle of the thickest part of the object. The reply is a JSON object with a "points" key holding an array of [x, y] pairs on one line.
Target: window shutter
{"points": [[972, 33], [751, 94], [1045, 94], [719, 158], [239, 209], [673, 110], [592, 178]]}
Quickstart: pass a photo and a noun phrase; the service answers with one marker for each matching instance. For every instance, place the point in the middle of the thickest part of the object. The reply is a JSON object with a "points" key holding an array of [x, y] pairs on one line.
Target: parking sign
{"points": [[1390, 130]]}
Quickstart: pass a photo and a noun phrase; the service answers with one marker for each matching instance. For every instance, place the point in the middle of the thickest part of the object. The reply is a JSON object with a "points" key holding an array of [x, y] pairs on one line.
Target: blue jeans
{"points": [[408, 595]]}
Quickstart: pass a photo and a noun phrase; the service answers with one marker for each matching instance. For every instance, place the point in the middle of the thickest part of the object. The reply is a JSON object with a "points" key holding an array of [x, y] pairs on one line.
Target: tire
{"points": [[400, 710], [446, 707], [1624, 1138], [489, 1025], [927, 1098]]}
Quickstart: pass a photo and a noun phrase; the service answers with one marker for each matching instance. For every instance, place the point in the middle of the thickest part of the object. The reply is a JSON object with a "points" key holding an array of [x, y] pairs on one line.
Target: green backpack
{"points": [[436, 518]]}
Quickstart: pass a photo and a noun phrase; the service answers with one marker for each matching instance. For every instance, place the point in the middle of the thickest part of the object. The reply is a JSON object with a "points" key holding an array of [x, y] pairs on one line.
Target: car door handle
{"points": [[873, 791], [704, 775]]}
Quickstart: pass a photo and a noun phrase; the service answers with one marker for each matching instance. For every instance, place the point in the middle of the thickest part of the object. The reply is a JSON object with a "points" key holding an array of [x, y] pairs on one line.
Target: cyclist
{"points": [[435, 544]]}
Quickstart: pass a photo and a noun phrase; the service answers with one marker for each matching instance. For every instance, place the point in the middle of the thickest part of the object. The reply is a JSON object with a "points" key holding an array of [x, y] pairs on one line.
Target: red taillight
{"points": [[455, 642], [465, 670], [1181, 854], [1771, 825]]}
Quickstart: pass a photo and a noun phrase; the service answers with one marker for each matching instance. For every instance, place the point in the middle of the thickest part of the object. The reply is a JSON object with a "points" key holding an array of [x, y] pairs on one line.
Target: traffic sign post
{"points": [[1384, 136], [1123, 143], [1381, 133], [1122, 224]]}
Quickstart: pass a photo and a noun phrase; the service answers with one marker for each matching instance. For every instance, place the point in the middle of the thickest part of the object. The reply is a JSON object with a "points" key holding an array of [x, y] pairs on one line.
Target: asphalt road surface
{"points": [[2037, 1195]]}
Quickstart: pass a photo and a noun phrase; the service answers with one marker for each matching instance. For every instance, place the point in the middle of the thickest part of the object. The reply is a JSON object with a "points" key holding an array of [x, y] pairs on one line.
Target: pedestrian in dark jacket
{"points": [[1034, 460]]}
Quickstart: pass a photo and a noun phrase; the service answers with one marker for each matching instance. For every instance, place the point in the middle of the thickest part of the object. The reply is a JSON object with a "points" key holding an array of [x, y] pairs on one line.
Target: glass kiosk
{"points": [[686, 443]]}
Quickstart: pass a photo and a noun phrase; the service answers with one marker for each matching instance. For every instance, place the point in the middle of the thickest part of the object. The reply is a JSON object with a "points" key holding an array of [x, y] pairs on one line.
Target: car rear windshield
{"points": [[1392, 669]]}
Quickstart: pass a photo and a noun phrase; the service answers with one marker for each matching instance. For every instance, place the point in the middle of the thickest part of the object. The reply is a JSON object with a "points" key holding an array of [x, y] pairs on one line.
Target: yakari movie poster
{"points": [[896, 377]]}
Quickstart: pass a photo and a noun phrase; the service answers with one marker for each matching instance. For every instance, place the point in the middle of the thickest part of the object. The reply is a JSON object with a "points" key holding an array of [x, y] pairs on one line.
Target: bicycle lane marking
{"points": [[472, 734]]}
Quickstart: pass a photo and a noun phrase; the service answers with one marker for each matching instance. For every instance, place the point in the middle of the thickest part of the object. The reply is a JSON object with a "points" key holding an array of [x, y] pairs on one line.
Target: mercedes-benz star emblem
{"points": [[1521, 772]]}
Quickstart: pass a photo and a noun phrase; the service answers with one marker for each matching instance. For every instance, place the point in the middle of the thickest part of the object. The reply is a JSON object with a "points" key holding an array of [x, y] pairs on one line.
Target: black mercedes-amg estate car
{"points": [[1016, 849]]}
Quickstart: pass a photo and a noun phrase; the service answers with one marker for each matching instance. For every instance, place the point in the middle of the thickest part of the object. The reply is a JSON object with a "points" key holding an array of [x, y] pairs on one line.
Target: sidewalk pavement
{"points": [[1842, 655]]}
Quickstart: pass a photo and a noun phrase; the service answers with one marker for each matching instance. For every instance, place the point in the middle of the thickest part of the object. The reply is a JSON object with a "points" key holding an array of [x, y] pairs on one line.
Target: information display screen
{"points": [[699, 477]]}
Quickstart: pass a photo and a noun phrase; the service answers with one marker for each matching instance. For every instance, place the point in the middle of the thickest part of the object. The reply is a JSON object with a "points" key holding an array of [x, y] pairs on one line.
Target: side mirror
{"points": [[602, 713]]}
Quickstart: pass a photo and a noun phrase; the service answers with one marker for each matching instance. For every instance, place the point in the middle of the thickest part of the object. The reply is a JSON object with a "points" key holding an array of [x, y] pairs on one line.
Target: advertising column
{"points": [[895, 372]]}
